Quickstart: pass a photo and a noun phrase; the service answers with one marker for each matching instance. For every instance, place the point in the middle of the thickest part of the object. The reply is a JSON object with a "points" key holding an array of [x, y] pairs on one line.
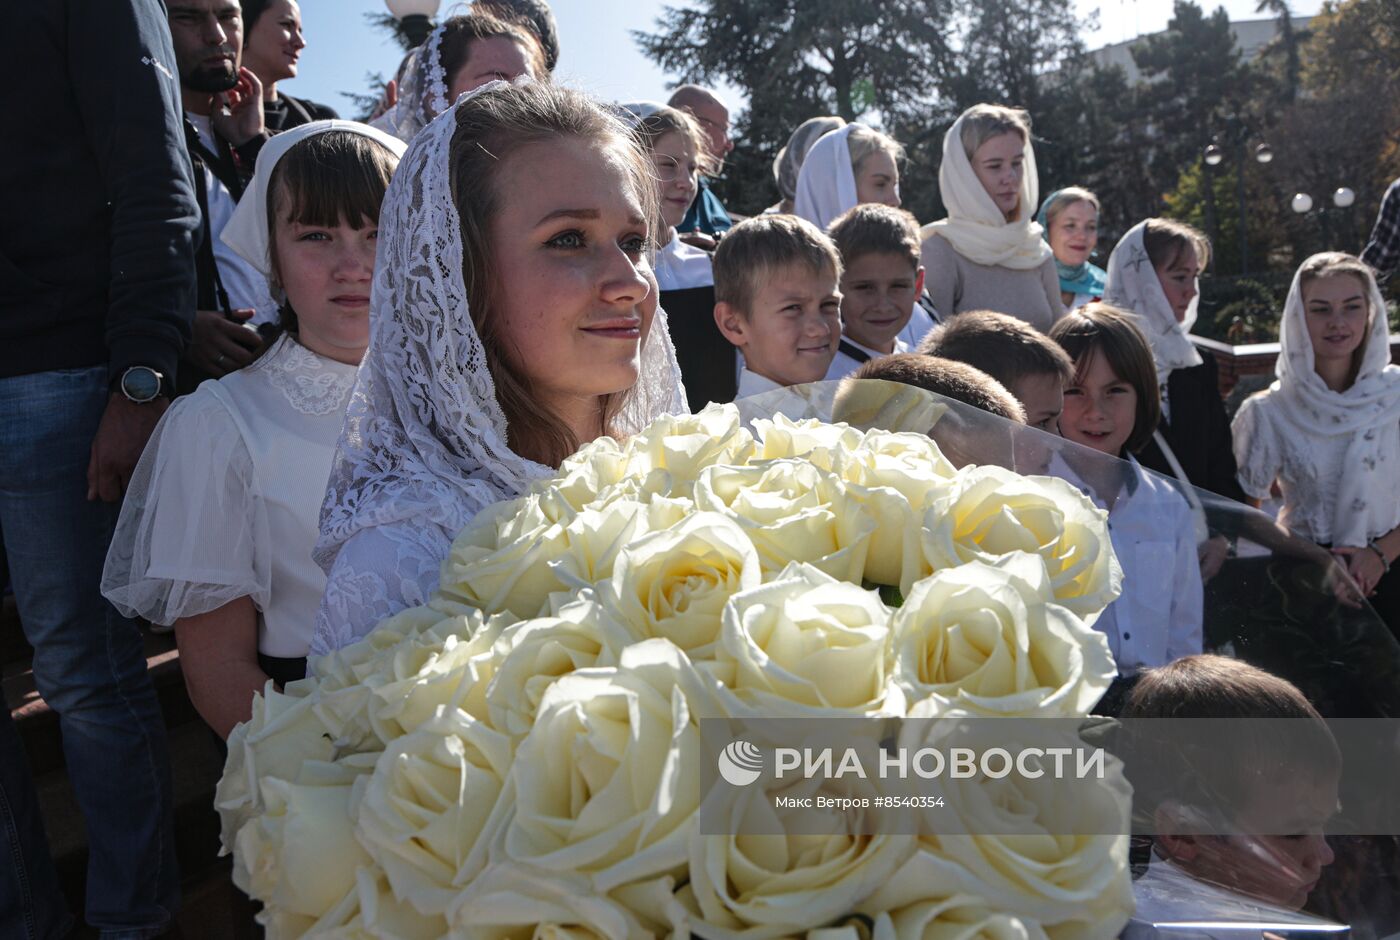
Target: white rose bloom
{"points": [[607, 782], [584, 476], [989, 511], [281, 734], [684, 445], [990, 639], [826, 445], [792, 511], [531, 655], [509, 901], [501, 562], [794, 870], [300, 854], [805, 645], [960, 917], [1051, 850], [674, 584], [591, 541], [909, 463], [429, 811], [369, 910]]}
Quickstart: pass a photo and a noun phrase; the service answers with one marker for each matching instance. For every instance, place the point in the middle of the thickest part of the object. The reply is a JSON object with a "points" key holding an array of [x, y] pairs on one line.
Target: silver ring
{"points": [[220, 361]]}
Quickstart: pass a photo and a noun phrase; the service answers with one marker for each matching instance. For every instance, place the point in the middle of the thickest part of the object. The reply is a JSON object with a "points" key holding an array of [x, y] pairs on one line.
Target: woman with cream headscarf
{"points": [[221, 514], [1328, 430], [1152, 274], [850, 166], [988, 254]]}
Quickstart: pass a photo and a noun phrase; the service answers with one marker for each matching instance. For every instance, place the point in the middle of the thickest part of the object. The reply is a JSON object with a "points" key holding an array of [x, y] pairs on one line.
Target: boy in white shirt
{"points": [[880, 284], [777, 300]]}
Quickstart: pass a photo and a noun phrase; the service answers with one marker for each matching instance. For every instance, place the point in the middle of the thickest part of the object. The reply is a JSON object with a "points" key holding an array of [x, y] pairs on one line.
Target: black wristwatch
{"points": [[141, 384]]}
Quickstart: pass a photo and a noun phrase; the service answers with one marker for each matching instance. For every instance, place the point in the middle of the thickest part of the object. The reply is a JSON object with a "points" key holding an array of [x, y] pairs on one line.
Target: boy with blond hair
{"points": [[777, 300], [881, 282]]}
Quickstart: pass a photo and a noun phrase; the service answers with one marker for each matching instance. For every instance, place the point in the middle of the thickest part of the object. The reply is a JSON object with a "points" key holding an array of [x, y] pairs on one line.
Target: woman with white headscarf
{"points": [[788, 163], [216, 532], [988, 254], [515, 318], [463, 53], [847, 167], [1153, 274], [1328, 430]]}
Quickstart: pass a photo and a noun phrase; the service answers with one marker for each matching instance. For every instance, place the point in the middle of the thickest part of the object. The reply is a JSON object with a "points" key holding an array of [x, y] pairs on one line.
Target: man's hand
{"points": [[121, 436], [219, 345], [238, 112]]}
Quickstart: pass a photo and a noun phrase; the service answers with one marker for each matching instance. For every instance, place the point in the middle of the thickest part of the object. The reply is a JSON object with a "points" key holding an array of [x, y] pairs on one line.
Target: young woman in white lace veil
{"points": [[474, 379], [216, 532], [1328, 430], [462, 54]]}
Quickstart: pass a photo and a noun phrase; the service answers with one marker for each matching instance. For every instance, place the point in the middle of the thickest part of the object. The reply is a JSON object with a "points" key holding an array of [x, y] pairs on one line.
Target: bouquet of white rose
{"points": [[521, 757]]}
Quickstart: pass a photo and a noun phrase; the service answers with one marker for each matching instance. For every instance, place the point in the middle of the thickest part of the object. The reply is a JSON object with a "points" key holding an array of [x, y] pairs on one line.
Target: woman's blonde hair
{"points": [[1337, 264], [982, 122], [1065, 198], [491, 128], [863, 141]]}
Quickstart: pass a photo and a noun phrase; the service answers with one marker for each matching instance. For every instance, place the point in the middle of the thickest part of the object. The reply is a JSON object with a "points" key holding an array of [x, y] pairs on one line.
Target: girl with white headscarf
{"points": [[216, 532], [1153, 274], [988, 254], [850, 166], [515, 317], [463, 53], [1328, 430]]}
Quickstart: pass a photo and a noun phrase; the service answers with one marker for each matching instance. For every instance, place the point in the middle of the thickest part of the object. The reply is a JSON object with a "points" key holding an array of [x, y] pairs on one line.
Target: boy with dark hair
{"points": [[1028, 363], [881, 282], [776, 299]]}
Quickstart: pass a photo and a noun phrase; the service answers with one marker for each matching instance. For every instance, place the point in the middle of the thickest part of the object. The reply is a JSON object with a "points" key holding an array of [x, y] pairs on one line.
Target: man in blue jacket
{"points": [[97, 220]]}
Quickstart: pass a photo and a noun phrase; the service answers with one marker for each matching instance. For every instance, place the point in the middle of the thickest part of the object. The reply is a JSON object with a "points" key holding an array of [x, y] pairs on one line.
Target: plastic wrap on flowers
{"points": [[520, 756]]}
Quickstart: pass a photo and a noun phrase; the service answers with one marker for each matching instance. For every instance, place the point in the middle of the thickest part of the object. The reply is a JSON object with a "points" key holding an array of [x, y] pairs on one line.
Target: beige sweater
{"points": [[956, 284]]}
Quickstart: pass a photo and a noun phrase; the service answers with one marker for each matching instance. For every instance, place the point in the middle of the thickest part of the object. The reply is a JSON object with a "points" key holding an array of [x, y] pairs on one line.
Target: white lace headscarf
{"points": [[424, 436], [422, 91], [975, 227], [1364, 419], [1134, 286]]}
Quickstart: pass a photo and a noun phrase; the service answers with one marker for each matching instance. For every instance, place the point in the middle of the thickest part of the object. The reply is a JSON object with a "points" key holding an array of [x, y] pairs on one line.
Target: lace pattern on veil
{"points": [[424, 437]]}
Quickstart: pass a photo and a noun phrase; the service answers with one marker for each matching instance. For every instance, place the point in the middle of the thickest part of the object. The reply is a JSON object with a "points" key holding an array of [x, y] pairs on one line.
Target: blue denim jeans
{"points": [[89, 667]]}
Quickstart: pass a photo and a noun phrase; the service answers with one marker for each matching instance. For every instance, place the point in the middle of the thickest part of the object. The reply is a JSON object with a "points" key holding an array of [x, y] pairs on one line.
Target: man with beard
{"points": [[96, 284], [224, 132]]}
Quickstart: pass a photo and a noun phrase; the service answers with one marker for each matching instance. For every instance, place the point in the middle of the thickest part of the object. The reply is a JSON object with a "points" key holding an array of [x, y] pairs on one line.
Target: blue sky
{"points": [[597, 49]]}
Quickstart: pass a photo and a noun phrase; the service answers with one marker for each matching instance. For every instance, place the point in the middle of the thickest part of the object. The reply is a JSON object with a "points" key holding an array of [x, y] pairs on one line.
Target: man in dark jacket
{"points": [[97, 224]]}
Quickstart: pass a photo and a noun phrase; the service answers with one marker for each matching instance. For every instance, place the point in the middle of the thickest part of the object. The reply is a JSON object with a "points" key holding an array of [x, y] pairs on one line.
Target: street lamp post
{"points": [[415, 18], [1342, 200], [1214, 155]]}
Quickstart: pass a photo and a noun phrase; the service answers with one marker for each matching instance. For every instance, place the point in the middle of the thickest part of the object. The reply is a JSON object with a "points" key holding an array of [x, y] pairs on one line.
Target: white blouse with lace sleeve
{"points": [[378, 572]]}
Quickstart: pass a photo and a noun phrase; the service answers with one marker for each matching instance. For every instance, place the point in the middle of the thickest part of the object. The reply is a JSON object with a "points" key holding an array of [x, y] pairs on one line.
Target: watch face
{"points": [[141, 384]]}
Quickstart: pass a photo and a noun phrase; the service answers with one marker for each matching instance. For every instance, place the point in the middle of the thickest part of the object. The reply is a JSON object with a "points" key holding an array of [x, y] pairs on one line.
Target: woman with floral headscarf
{"points": [[1328, 430]]}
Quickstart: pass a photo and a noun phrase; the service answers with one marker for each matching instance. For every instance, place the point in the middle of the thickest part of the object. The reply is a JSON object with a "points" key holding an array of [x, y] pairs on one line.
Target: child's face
{"points": [[878, 292], [1043, 396], [1178, 282], [326, 272], [792, 330], [1279, 869], [1336, 311], [1100, 408]]}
